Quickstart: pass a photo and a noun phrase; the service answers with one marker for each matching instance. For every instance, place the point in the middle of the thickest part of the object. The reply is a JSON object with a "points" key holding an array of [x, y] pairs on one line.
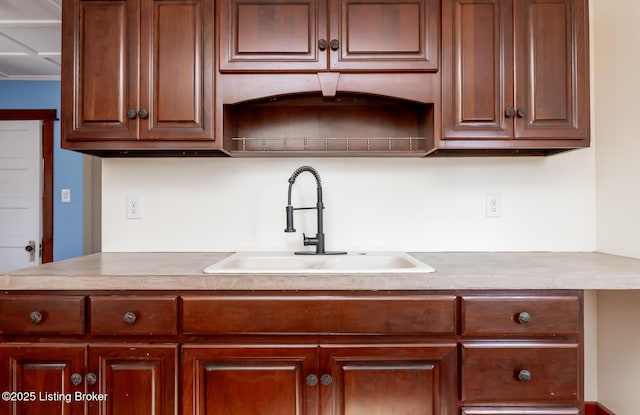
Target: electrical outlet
{"points": [[134, 207], [493, 208]]}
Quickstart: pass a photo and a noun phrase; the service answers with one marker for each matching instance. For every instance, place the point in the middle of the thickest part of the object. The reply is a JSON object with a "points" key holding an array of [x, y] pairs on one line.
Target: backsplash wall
{"points": [[411, 204]]}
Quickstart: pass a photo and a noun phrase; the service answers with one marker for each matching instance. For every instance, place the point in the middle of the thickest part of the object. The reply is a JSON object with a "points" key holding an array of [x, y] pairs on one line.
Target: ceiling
{"points": [[30, 32]]}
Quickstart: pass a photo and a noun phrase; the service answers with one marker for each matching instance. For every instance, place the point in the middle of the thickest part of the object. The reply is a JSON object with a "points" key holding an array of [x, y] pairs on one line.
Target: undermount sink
{"points": [[290, 263]]}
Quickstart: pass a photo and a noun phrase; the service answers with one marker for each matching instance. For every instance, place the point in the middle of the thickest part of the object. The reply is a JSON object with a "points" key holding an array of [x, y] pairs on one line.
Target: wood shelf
{"points": [[349, 124]]}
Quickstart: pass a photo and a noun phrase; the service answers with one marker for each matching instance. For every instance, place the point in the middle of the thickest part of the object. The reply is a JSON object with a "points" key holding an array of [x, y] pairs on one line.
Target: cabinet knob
{"points": [[131, 114], [129, 317], [322, 44], [35, 317], [524, 375], [76, 379], [326, 379], [524, 317], [334, 44], [143, 114], [510, 112], [91, 378], [312, 380], [522, 112]]}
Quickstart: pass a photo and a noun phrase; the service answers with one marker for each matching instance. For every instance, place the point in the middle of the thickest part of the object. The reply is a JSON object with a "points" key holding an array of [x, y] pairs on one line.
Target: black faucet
{"points": [[318, 240]]}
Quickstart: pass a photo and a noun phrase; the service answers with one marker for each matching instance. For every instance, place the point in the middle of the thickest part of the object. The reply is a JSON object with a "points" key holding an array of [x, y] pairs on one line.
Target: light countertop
{"points": [[454, 271]]}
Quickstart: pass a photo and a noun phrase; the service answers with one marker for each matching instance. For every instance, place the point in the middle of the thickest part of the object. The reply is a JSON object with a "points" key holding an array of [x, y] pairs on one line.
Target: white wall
{"points": [[618, 353], [371, 204], [617, 88], [617, 110]]}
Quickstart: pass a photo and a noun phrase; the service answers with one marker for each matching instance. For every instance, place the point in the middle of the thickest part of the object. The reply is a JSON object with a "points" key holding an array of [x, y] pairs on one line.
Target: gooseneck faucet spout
{"points": [[318, 240]]}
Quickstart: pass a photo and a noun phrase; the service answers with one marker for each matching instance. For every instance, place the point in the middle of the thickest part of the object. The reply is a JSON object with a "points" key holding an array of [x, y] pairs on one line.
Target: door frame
{"points": [[47, 116]]}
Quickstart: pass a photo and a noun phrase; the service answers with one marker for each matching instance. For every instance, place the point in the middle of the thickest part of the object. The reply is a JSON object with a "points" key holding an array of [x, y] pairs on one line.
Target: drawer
{"points": [[520, 316], [320, 315], [519, 410], [495, 372], [25, 314], [133, 315]]}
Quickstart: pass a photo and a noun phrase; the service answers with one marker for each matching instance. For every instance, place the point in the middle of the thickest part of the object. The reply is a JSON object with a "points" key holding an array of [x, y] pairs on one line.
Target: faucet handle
{"points": [[308, 240]]}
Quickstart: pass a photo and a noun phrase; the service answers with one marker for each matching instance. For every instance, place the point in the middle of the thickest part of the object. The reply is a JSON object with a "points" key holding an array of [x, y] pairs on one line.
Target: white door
{"points": [[20, 193]]}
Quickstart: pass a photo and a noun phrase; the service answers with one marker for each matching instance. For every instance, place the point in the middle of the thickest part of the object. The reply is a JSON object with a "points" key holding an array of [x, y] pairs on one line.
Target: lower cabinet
{"points": [[292, 353], [137, 379], [73, 379], [38, 379], [521, 354], [388, 380], [351, 379], [249, 379]]}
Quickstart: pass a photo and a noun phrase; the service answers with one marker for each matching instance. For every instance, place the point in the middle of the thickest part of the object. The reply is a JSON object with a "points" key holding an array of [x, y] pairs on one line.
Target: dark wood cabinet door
{"points": [[515, 69], [98, 59], [176, 70], [384, 35], [477, 69], [365, 35], [137, 69], [138, 379], [46, 371], [415, 379], [551, 57], [249, 379], [272, 35]]}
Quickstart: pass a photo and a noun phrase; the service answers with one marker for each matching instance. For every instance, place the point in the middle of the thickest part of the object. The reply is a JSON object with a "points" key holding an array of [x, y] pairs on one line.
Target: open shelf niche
{"points": [[344, 125]]}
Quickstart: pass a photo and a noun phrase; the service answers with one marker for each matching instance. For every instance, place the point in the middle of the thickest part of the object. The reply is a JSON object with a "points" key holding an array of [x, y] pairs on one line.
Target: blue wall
{"points": [[67, 217]]}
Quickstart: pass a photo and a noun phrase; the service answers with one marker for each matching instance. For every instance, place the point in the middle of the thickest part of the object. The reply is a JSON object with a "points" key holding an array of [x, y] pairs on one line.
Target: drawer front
{"points": [[25, 314], [133, 315], [521, 411], [520, 316], [512, 372], [339, 315]]}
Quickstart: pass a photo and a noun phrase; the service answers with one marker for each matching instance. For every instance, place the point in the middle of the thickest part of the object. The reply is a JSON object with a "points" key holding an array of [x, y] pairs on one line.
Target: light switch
{"points": [[65, 195]]}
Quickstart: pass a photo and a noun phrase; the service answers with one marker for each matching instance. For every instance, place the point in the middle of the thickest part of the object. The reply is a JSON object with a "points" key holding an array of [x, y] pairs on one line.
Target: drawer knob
{"points": [[91, 378], [326, 379], [524, 317], [76, 379], [129, 317], [524, 375], [312, 380], [35, 317]]}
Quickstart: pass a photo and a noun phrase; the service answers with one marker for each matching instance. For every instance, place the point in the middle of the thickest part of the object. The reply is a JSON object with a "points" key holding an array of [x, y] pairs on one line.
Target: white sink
{"points": [[290, 263]]}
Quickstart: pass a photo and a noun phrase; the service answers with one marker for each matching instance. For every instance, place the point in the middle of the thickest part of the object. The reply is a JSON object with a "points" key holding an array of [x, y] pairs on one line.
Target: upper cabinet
{"points": [[320, 35], [137, 74], [515, 76], [325, 77]]}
